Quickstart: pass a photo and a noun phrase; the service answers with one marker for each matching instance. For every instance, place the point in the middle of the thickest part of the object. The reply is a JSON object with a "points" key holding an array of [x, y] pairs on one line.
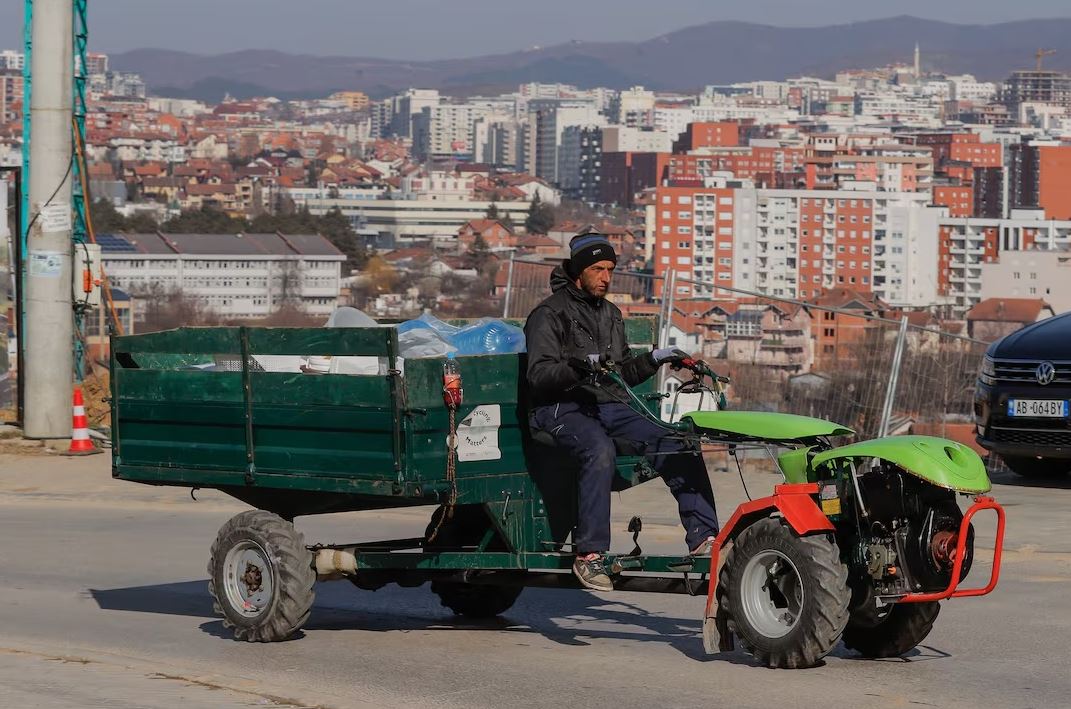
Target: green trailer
{"points": [[199, 407]]}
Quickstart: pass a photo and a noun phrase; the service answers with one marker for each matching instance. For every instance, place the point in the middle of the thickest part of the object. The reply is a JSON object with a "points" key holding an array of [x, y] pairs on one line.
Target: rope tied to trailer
{"points": [[451, 474]]}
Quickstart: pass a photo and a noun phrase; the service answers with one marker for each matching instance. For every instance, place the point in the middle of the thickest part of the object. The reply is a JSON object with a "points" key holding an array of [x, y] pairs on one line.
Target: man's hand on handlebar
{"points": [[670, 355]]}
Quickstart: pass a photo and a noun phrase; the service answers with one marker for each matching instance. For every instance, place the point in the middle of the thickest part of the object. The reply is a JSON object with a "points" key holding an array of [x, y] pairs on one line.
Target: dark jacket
{"points": [[571, 324]]}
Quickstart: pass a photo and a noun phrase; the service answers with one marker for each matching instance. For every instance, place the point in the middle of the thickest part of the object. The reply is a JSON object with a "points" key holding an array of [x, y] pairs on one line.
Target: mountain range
{"points": [[713, 53]]}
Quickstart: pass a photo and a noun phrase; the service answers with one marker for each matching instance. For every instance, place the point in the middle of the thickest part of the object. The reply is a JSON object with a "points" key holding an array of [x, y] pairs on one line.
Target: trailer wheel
{"points": [[788, 595], [465, 529], [474, 600], [260, 576], [902, 628]]}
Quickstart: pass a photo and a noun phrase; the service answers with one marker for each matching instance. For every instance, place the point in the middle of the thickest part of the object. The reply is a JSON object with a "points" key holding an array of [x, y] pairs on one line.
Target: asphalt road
{"points": [[104, 603]]}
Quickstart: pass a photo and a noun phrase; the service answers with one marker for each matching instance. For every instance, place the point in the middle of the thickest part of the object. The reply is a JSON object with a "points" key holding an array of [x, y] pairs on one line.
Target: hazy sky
{"points": [[439, 29]]}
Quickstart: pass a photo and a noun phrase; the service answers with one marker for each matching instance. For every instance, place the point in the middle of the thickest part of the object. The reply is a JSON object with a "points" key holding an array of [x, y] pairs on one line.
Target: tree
{"points": [[165, 308], [480, 258], [540, 217], [106, 219], [205, 220], [492, 212]]}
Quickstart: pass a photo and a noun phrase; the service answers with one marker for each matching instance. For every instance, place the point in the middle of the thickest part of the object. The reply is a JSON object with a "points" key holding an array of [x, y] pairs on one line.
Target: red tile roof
{"points": [[1016, 310]]}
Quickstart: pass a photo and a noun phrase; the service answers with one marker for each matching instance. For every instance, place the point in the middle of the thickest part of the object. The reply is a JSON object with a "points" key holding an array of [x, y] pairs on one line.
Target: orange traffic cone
{"points": [[80, 443]]}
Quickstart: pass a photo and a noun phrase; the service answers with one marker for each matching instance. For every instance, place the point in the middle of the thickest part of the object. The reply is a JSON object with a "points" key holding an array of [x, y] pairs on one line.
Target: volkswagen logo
{"points": [[1045, 373]]}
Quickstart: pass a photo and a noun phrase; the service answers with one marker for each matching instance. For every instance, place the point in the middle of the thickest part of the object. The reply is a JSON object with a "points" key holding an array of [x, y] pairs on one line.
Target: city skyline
{"points": [[418, 30]]}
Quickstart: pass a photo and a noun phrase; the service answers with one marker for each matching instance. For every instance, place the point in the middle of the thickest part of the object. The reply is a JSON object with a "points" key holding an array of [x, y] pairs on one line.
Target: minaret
{"points": [[917, 72]]}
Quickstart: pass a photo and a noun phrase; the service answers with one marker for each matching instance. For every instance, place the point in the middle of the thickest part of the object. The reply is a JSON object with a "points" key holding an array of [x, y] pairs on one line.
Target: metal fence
{"points": [[878, 375]]}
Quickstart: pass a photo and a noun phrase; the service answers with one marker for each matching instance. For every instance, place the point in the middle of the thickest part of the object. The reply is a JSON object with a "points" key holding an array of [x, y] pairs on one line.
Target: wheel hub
{"points": [[771, 593], [247, 579]]}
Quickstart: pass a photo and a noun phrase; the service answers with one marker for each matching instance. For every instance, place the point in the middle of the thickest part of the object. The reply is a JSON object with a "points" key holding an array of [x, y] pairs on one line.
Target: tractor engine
{"points": [[909, 534]]}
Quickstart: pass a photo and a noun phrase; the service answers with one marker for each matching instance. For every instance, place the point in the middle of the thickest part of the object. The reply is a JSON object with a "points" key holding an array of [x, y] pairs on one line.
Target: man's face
{"points": [[595, 279]]}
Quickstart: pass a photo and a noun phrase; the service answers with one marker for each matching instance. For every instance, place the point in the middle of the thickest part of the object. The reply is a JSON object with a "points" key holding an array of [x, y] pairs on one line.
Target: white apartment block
{"points": [[633, 108], [622, 139], [234, 275], [1033, 273], [386, 223], [10, 59], [446, 130], [970, 246]]}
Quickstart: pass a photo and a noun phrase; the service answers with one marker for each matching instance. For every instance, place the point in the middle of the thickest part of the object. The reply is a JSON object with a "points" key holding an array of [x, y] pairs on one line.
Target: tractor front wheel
{"points": [[787, 595], [901, 629], [260, 576]]}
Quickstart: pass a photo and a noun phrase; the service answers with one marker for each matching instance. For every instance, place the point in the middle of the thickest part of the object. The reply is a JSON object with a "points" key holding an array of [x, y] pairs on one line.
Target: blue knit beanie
{"points": [[587, 248]]}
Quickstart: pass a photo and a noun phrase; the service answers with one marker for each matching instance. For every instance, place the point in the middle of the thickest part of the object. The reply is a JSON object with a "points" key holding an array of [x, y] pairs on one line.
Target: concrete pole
{"points": [[49, 314]]}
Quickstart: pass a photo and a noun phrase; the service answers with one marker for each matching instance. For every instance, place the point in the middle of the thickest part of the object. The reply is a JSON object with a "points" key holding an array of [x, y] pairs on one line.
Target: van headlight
{"points": [[987, 374]]}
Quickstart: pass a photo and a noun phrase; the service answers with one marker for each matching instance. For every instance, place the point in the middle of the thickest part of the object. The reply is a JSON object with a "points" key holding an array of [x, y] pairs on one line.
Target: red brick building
{"points": [[719, 134]]}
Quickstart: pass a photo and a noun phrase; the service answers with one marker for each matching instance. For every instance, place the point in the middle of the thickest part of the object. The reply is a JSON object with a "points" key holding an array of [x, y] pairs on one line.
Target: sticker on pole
{"points": [[46, 264], [477, 434], [55, 217]]}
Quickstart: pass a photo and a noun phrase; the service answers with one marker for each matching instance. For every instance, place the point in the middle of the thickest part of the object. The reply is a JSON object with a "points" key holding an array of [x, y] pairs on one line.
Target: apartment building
{"points": [[387, 223], [547, 120], [234, 275], [1041, 177], [967, 246], [446, 130], [580, 162], [1030, 273], [796, 243]]}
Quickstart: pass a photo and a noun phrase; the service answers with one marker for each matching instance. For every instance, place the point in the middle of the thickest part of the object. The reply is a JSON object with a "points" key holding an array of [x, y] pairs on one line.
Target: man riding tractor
{"points": [[569, 335]]}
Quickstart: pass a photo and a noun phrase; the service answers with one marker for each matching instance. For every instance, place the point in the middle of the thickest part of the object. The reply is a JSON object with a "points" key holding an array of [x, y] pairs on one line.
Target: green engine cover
{"points": [[944, 463], [765, 425]]}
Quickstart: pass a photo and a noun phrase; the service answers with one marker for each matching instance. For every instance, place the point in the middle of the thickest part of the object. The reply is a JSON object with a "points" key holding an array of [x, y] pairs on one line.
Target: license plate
{"points": [[1038, 408]]}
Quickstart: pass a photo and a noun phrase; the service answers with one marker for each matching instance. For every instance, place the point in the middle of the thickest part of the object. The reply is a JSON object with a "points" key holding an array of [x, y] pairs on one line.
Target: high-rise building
{"points": [[549, 118], [1031, 86], [407, 105], [445, 130], [580, 162], [1041, 178]]}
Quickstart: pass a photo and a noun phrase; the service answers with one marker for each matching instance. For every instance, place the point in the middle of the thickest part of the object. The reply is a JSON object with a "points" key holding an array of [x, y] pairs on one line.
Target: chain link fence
{"points": [[861, 363]]}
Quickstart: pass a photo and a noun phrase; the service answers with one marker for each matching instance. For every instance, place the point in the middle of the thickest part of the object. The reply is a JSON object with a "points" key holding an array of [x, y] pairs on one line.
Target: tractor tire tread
{"points": [[904, 628], [830, 614], [295, 576]]}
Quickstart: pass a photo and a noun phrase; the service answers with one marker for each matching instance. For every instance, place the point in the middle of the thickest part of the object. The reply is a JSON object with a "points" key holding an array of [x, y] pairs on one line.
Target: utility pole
{"points": [[49, 314]]}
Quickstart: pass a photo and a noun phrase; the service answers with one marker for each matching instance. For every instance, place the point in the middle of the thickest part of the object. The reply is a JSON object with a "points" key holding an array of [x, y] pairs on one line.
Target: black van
{"points": [[1022, 399]]}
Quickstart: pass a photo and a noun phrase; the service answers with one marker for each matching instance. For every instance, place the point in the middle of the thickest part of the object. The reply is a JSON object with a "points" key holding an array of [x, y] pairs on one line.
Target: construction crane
{"points": [[1041, 54]]}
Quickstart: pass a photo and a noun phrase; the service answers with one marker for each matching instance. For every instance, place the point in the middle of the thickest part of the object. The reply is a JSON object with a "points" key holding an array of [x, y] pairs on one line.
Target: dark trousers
{"points": [[586, 432]]}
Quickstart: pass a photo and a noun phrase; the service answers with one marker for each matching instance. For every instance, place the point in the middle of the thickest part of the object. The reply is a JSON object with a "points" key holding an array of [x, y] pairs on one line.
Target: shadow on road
{"points": [[566, 617], [184, 598]]}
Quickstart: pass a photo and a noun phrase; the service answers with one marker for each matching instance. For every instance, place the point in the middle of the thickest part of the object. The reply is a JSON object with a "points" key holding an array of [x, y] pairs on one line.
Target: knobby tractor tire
{"points": [[273, 551], [821, 594], [465, 529], [905, 626], [474, 600]]}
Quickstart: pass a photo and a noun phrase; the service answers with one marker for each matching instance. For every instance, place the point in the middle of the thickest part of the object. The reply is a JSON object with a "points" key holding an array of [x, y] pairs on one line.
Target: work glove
{"points": [[591, 363], [669, 354]]}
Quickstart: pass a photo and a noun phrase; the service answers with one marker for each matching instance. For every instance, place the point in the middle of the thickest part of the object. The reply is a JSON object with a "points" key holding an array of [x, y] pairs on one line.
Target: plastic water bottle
{"points": [[452, 391], [489, 337]]}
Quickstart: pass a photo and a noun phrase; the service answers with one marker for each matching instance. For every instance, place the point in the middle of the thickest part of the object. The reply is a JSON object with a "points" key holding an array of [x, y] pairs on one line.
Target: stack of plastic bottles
{"points": [[428, 336]]}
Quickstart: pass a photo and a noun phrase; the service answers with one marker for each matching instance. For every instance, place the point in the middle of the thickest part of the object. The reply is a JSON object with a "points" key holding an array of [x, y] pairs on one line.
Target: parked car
{"points": [[1021, 401]]}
